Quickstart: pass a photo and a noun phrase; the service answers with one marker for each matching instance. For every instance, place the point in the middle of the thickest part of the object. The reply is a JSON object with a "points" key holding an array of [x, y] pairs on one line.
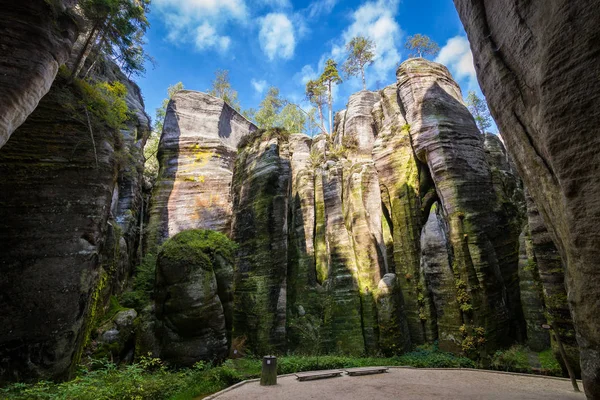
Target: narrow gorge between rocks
{"points": [[405, 229]]}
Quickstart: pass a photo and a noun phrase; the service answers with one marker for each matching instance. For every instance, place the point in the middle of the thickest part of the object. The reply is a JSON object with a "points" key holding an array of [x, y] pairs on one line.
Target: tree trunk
{"points": [[362, 71], [320, 107], [330, 110], [84, 52]]}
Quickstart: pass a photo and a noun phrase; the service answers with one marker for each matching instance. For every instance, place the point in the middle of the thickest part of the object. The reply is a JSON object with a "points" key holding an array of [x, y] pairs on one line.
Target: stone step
{"points": [[309, 376], [366, 371]]}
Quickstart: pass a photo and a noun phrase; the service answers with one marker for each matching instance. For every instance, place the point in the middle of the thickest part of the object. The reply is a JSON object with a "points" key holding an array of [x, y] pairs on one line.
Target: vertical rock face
{"points": [[537, 66], [552, 277], [445, 138], [400, 230], [193, 283], [532, 297], [36, 38], [61, 251], [261, 190], [196, 153]]}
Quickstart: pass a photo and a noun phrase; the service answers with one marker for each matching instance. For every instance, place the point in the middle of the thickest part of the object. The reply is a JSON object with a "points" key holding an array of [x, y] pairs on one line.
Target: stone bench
{"points": [[366, 371], [310, 376]]}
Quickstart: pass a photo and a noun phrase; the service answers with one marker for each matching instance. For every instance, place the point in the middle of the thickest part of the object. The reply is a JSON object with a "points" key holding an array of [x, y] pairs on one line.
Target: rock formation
{"points": [[36, 38], [537, 66], [196, 154], [193, 297], [67, 231], [403, 228]]}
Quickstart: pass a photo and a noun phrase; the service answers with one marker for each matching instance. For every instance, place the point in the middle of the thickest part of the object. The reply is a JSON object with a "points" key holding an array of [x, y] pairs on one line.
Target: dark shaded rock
{"points": [[194, 272], [532, 296], [537, 64], [116, 337], [35, 37], [261, 189], [394, 337]]}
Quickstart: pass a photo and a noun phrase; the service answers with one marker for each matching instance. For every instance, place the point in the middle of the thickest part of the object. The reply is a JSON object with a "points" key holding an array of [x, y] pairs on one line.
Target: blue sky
{"points": [[283, 43]]}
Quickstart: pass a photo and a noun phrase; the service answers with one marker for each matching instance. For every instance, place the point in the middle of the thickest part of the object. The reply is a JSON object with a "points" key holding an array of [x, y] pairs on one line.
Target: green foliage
{"points": [[329, 77], [549, 363], [480, 112], [143, 284], [420, 45], [291, 118], [462, 296], [117, 32], [103, 100], [360, 54], [196, 244], [514, 359], [221, 88], [270, 106], [263, 134], [316, 93]]}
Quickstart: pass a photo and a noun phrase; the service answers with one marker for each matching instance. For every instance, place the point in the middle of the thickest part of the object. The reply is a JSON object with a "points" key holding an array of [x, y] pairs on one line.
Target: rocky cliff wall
{"points": [[537, 65], [36, 38], [197, 153], [402, 229], [70, 195]]}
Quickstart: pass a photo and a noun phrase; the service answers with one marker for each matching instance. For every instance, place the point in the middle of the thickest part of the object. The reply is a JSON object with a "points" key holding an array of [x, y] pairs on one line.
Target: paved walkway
{"points": [[405, 384]]}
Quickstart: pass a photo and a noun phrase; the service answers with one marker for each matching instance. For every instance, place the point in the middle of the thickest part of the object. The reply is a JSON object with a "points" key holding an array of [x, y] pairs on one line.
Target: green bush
{"points": [[143, 285], [514, 359]]}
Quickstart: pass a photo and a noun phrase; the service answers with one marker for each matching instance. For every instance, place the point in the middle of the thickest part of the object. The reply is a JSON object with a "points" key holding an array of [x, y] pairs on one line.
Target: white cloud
{"points": [[277, 4], [377, 21], [277, 38], [320, 7], [259, 86], [196, 21], [457, 56], [306, 74]]}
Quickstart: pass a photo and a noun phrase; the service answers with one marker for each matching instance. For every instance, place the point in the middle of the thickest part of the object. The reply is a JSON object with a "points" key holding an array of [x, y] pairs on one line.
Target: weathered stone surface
{"points": [[552, 276], [537, 64], [115, 338], [194, 274], [35, 37], [54, 236], [343, 311], [394, 337], [444, 136], [355, 127], [400, 179], [261, 189], [197, 154], [439, 278]]}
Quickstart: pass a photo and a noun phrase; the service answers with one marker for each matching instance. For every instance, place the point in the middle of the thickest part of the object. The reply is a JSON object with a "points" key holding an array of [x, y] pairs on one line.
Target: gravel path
{"points": [[422, 384]]}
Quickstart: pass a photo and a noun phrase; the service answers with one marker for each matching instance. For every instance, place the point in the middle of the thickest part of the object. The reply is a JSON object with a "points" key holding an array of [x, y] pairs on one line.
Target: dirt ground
{"points": [[422, 384]]}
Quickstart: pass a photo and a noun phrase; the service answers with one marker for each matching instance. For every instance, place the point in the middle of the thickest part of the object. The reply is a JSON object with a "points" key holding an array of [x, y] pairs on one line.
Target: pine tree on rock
{"points": [[316, 93], [329, 77], [478, 108], [360, 54], [221, 88], [420, 45]]}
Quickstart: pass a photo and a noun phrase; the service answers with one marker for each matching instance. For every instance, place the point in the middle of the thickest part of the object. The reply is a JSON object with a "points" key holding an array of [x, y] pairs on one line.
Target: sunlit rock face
{"points": [[538, 67], [36, 38], [401, 229], [69, 206], [196, 153]]}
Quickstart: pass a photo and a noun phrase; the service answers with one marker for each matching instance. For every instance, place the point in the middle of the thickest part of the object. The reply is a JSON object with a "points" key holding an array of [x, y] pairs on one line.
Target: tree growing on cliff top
{"points": [[329, 77], [117, 31], [269, 108], [420, 45], [316, 93], [221, 88], [360, 54], [478, 108]]}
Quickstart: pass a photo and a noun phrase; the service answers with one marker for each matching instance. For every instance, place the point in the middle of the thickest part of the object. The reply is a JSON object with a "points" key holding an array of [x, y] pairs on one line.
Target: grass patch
{"points": [[150, 379]]}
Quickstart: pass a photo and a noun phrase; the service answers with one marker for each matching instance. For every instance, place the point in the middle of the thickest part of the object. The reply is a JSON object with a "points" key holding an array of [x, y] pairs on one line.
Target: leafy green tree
{"points": [[478, 108], [420, 45], [360, 54], [270, 106], [316, 93], [291, 118], [329, 77], [117, 32], [221, 88]]}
